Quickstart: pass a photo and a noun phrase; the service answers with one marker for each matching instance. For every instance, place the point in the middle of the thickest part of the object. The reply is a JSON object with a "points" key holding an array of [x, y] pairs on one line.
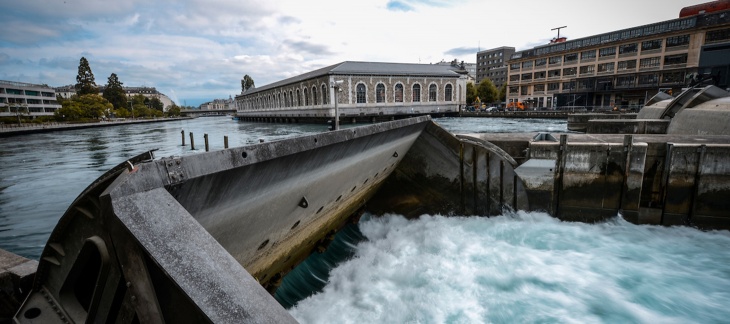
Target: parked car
{"points": [[492, 109]]}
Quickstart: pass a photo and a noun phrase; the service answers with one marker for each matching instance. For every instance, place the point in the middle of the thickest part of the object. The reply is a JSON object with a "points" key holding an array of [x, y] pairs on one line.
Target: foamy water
{"points": [[525, 268]]}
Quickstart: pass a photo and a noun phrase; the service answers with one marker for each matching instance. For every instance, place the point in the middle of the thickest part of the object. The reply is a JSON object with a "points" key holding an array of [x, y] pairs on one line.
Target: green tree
{"points": [[156, 104], [246, 83], [114, 92], [487, 92], [503, 93], [90, 106], [471, 93], [173, 110], [85, 79]]}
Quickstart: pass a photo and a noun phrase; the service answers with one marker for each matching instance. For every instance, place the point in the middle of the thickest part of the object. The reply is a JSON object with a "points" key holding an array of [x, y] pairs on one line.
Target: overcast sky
{"points": [[198, 50]]}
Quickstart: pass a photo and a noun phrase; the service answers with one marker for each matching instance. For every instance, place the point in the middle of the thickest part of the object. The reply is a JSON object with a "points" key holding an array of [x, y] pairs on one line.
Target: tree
{"points": [[85, 79], [173, 110], [246, 83], [114, 92], [487, 92], [503, 93], [471, 93], [156, 104], [89, 106]]}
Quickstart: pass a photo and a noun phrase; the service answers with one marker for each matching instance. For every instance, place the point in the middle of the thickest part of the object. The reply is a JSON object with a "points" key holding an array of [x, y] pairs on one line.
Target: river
{"points": [[520, 267]]}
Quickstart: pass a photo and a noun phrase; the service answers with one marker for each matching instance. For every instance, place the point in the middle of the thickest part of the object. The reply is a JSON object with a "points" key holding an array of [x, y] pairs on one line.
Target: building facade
{"points": [[623, 68], [27, 99], [217, 104], [361, 89], [492, 65]]}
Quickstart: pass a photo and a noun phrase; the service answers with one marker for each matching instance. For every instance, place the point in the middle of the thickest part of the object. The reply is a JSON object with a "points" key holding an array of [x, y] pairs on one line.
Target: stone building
{"points": [[366, 89], [624, 68]]}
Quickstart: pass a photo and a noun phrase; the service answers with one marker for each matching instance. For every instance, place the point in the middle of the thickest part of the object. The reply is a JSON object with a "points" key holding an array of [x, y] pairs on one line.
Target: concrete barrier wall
{"points": [[658, 183], [168, 239], [636, 126]]}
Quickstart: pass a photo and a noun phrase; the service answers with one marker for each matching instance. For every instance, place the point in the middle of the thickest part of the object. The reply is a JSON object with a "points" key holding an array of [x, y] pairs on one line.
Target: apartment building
{"points": [[492, 64], [623, 68]]}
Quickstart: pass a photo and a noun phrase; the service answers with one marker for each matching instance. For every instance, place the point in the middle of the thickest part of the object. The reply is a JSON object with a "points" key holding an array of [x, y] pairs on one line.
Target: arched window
{"points": [[360, 93], [398, 92], [448, 90], [306, 97], [314, 96], [299, 99], [291, 98], [380, 93], [324, 94], [416, 93], [432, 92]]}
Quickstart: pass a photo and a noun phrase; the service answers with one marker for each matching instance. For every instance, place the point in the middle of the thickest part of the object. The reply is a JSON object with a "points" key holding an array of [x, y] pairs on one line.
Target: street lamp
{"points": [[337, 86]]}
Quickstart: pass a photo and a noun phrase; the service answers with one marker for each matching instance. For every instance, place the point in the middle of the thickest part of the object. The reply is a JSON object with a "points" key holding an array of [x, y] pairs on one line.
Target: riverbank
{"points": [[14, 130]]}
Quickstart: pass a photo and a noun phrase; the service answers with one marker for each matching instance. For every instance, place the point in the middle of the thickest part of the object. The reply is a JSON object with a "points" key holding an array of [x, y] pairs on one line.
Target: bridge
{"points": [[206, 112]]}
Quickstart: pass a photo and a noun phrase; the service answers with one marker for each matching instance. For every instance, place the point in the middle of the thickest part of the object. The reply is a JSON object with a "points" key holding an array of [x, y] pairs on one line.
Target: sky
{"points": [[195, 51]]}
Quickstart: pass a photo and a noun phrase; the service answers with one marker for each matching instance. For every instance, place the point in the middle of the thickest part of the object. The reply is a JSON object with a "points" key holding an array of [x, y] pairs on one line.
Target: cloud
{"points": [[462, 51], [309, 48], [398, 6], [202, 48]]}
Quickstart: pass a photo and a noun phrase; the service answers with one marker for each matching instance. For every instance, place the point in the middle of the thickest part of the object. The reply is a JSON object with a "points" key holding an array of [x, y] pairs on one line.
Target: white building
{"points": [[27, 98]]}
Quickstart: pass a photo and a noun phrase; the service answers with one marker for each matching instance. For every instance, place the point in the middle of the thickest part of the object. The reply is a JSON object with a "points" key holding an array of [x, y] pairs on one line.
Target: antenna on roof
{"points": [[558, 39]]}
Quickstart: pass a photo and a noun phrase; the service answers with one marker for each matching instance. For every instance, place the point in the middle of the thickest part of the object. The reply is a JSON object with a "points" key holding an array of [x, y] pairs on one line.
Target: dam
{"points": [[236, 221]]}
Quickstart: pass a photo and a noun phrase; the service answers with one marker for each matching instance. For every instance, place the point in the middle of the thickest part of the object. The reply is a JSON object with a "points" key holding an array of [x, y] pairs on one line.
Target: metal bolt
{"points": [[129, 284]]}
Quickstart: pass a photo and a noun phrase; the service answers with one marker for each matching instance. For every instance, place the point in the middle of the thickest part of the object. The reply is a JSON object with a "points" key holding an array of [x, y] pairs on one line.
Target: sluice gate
{"points": [[208, 237]]}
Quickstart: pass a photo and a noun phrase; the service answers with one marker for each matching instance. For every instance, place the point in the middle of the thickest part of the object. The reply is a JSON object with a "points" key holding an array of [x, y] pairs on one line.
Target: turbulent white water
{"points": [[526, 268]]}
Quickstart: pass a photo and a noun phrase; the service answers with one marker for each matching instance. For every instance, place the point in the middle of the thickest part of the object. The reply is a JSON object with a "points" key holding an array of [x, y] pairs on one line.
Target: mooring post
{"points": [[182, 134], [192, 141], [205, 137], [225, 141]]}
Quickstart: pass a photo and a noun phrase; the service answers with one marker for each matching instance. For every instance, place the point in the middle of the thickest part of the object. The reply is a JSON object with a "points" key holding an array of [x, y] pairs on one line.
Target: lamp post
{"points": [[336, 85]]}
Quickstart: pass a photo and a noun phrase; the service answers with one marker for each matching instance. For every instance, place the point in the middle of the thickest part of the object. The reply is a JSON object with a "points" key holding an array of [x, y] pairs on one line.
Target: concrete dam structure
{"points": [[208, 237]]}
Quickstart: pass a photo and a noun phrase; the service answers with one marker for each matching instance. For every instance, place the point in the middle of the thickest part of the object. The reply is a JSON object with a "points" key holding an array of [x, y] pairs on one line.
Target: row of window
{"points": [[294, 98], [649, 62], [624, 81], [643, 31], [360, 93], [287, 99], [650, 45]]}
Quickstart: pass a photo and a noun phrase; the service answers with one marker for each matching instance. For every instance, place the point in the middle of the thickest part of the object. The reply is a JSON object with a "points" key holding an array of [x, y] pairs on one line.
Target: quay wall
{"points": [[9, 130]]}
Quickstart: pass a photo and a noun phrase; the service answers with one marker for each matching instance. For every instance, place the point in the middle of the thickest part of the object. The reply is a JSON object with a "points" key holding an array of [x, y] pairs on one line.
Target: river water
{"points": [[518, 267]]}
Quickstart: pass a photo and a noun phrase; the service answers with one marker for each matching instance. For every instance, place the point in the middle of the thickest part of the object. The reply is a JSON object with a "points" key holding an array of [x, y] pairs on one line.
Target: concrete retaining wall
{"points": [[657, 183], [634, 126]]}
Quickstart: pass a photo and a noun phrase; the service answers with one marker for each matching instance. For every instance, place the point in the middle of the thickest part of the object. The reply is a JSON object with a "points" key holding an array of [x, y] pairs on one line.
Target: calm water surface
{"points": [[520, 267]]}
